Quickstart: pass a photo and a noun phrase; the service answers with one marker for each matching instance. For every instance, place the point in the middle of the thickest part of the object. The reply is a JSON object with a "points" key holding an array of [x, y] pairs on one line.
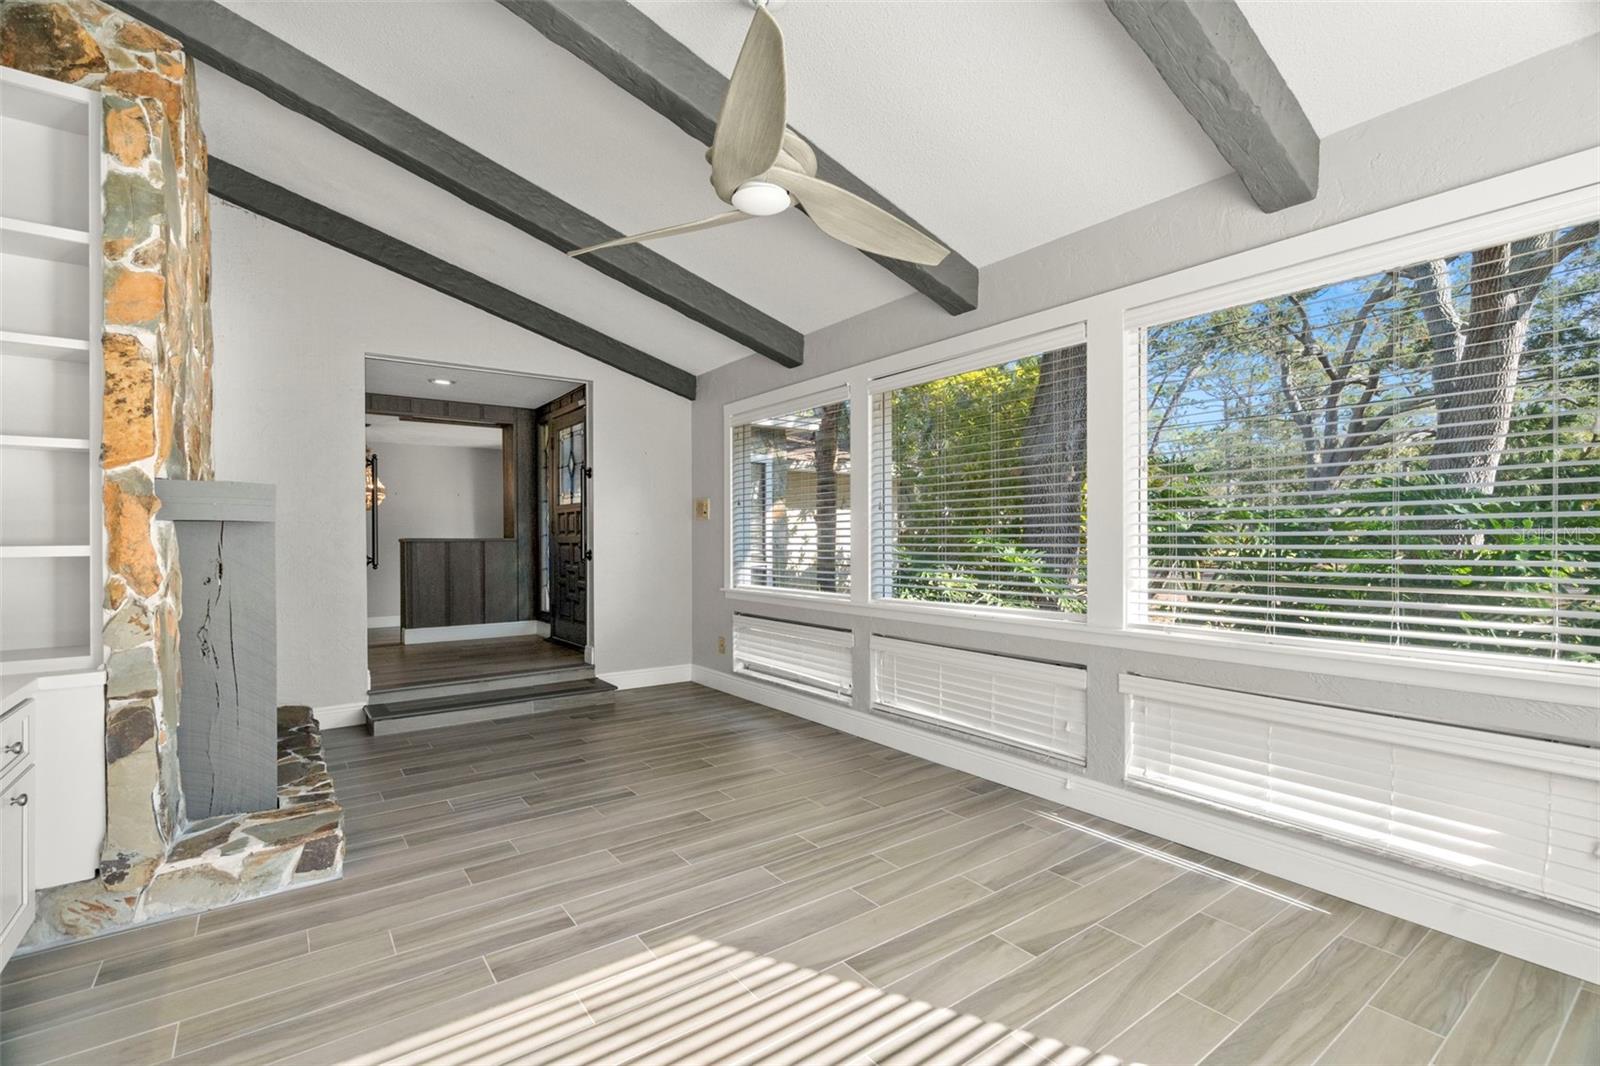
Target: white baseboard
{"points": [[340, 715], [655, 675], [485, 631], [1551, 936], [387, 621]]}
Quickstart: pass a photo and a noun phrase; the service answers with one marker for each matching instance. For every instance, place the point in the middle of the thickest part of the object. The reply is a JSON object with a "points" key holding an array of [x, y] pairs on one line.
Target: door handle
{"points": [[588, 555], [20, 800], [14, 748]]}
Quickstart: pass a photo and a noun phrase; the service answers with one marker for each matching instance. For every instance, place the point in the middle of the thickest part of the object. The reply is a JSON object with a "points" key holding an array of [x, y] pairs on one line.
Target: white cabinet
{"points": [[18, 811], [52, 775], [51, 376], [60, 726]]}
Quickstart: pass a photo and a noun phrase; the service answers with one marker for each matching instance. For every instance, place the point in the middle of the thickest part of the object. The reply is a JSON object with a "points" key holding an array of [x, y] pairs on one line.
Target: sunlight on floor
{"points": [[1179, 861], [699, 1001], [695, 1001]]}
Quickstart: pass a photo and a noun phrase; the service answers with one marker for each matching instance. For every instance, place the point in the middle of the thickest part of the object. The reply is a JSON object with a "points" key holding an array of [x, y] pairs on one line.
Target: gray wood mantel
{"points": [[227, 643]]}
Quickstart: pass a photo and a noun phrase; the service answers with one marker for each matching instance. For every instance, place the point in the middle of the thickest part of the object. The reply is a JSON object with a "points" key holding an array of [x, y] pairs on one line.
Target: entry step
{"points": [[402, 716]]}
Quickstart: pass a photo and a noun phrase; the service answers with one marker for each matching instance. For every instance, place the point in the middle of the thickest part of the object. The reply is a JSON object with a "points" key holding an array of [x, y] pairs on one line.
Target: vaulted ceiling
{"points": [[997, 125]]}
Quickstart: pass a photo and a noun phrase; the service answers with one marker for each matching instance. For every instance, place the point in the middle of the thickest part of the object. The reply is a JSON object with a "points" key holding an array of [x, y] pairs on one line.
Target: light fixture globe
{"points": [[760, 198]]}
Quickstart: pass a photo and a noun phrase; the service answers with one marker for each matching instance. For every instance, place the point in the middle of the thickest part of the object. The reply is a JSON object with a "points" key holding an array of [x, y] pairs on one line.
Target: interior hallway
{"points": [[690, 877]]}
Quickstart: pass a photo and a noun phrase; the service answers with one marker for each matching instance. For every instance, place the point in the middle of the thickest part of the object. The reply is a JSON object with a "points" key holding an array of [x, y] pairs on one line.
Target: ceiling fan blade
{"points": [[750, 127], [797, 149], [667, 231], [846, 217]]}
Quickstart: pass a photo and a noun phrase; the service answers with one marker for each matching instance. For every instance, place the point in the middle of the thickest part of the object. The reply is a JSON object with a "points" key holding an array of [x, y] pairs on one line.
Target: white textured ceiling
{"points": [[388, 429], [401, 377], [1353, 60], [998, 124], [491, 81]]}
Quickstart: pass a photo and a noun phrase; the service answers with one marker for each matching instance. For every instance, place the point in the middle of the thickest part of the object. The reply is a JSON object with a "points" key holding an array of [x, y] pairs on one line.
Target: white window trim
{"points": [[1546, 195], [987, 355], [781, 402]]}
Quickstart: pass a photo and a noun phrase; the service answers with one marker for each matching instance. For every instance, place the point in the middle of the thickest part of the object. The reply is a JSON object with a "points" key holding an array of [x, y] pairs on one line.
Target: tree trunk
{"points": [[1053, 444], [1475, 362]]}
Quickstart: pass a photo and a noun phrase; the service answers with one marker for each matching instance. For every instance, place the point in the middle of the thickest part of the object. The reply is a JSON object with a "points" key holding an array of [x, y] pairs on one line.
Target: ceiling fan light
{"points": [[760, 198]]}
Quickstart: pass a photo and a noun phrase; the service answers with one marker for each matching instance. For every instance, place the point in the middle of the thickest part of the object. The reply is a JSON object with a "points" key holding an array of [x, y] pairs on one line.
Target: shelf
{"points": [[44, 660], [43, 551], [59, 444], [39, 241], [40, 345], [31, 98]]}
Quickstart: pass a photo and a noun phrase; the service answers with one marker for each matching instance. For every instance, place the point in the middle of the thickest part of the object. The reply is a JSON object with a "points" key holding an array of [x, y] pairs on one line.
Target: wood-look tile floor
{"points": [[690, 878], [396, 665]]}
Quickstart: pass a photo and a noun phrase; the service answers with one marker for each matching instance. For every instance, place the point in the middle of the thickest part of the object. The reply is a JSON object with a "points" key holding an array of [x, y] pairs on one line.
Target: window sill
{"points": [[1572, 684]]}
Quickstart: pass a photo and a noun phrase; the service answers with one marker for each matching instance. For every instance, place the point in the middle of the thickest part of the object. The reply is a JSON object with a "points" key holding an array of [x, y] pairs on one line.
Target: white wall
{"points": [[434, 490], [294, 320]]}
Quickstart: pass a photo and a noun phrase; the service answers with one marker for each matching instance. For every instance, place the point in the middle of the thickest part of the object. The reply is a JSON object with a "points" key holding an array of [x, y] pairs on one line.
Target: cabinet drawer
{"points": [[16, 736], [16, 859]]}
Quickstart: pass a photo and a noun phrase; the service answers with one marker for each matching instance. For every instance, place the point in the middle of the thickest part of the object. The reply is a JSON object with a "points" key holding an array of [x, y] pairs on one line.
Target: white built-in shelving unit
{"points": [[50, 376]]}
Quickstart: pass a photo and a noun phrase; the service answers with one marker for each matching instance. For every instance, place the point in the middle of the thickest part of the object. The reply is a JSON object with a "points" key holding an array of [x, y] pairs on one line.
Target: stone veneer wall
{"points": [[157, 423]]}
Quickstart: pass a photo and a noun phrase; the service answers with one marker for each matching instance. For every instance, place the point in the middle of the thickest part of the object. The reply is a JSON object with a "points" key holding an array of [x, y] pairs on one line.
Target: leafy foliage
{"points": [[955, 459], [1300, 482]]}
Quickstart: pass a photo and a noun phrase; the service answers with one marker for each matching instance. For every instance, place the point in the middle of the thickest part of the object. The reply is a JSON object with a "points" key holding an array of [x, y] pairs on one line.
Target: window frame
{"points": [[741, 414], [1111, 323], [991, 355], [1449, 239]]}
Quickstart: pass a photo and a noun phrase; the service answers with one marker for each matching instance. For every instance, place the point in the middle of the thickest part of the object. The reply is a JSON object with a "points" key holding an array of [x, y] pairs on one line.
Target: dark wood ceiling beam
{"points": [[255, 194], [622, 43], [249, 54], [1215, 65]]}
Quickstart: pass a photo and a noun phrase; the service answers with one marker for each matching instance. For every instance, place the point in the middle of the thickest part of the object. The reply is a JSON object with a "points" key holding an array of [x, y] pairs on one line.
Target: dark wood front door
{"points": [[569, 563]]}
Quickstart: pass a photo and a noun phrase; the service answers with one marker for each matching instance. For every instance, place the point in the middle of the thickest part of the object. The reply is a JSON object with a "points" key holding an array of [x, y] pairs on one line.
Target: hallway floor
{"points": [[395, 665], [688, 877]]}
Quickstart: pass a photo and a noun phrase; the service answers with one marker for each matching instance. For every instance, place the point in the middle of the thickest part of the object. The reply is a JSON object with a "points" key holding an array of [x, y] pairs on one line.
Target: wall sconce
{"points": [[376, 494]]}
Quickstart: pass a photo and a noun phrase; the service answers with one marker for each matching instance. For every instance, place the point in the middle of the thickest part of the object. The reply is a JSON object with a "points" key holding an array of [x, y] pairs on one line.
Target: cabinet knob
{"points": [[19, 800], [14, 748]]}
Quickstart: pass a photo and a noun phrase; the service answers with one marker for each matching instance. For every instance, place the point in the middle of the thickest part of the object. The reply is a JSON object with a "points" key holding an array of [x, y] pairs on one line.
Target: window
{"points": [[809, 658], [978, 486], [1503, 809], [791, 500], [1021, 703], [546, 461], [569, 465], [1410, 458]]}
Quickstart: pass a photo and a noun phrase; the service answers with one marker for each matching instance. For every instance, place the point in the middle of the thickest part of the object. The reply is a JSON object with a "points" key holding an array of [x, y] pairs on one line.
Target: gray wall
{"points": [[295, 321], [1531, 113], [434, 491]]}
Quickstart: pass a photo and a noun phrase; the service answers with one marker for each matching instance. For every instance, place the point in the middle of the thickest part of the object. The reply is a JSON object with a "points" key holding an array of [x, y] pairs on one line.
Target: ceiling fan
{"points": [[761, 167]]}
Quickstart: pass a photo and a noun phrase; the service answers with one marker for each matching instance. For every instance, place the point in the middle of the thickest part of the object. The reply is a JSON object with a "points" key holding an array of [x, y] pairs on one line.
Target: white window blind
{"points": [[1506, 810], [978, 485], [1410, 458], [791, 499], [1033, 705], [805, 657]]}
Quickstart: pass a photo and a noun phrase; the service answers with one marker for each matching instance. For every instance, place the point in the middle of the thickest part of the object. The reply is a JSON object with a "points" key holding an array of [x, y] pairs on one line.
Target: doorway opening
{"points": [[477, 503]]}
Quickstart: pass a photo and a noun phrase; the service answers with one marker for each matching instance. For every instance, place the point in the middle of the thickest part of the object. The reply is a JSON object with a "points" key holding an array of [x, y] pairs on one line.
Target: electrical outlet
{"points": [[722, 645]]}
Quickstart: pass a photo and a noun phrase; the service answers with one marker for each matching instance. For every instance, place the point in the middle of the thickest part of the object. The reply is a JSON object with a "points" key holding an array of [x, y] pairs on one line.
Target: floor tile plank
{"points": [[1302, 1019], [1436, 982], [1515, 1017], [1378, 1039]]}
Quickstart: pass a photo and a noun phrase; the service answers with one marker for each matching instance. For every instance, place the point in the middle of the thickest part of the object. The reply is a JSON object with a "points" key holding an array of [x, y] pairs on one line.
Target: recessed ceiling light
{"points": [[441, 381]]}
